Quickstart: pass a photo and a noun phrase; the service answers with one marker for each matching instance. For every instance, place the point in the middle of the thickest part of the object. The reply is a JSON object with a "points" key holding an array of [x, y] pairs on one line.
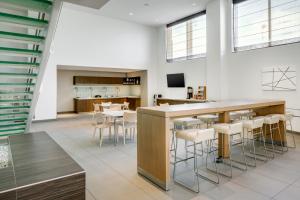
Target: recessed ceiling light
{"points": [[194, 4], [146, 4], [130, 13]]}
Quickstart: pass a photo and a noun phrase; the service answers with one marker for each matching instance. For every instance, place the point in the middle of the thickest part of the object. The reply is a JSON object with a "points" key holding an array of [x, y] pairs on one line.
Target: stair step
{"points": [[36, 5], [14, 131], [19, 75], [18, 84], [12, 125], [13, 119], [23, 21], [18, 37], [18, 64], [19, 52], [14, 113], [16, 92], [14, 100], [13, 107]]}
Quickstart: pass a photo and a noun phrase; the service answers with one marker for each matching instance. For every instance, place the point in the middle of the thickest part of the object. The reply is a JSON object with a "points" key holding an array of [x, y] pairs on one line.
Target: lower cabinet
{"points": [[87, 105]]}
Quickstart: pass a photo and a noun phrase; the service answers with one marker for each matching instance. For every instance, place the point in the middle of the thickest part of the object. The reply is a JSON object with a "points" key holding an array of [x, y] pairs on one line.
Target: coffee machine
{"points": [[190, 92]]}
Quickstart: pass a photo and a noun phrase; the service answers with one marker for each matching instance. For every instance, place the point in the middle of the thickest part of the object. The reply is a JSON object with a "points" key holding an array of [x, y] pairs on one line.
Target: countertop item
{"points": [[38, 168], [153, 143]]}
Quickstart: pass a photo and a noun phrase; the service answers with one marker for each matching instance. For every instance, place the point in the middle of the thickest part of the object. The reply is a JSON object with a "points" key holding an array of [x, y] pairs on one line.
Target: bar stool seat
{"points": [[229, 129], [208, 119], [253, 123], [195, 135]]}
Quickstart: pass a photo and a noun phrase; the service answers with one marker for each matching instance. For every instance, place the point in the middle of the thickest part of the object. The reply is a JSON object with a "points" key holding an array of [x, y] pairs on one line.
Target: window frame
{"points": [[168, 38], [268, 44]]}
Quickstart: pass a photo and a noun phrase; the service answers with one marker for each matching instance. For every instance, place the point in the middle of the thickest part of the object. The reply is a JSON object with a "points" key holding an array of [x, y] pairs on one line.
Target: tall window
{"points": [[265, 23], [186, 38]]}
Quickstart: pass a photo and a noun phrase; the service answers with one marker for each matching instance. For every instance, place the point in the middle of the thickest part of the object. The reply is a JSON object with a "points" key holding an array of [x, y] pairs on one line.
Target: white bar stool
{"points": [[234, 129], [255, 128], [196, 136], [273, 122], [287, 120]]}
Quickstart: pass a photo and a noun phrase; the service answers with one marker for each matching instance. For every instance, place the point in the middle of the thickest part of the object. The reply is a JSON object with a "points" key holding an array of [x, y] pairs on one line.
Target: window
{"points": [[186, 38], [265, 23]]}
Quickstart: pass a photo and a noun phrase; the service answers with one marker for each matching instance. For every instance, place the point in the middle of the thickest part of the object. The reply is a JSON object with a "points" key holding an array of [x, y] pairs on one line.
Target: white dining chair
{"points": [[101, 123], [129, 122], [96, 109], [126, 105], [115, 107]]}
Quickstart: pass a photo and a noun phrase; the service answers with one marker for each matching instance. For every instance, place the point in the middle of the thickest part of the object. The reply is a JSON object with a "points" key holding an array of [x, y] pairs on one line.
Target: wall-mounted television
{"points": [[175, 80]]}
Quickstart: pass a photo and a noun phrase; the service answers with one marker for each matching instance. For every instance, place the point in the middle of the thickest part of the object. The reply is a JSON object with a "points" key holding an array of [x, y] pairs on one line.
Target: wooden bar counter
{"points": [[153, 143]]}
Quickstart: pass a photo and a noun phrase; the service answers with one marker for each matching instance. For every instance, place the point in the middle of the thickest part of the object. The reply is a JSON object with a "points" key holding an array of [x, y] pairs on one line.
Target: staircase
{"points": [[24, 50]]}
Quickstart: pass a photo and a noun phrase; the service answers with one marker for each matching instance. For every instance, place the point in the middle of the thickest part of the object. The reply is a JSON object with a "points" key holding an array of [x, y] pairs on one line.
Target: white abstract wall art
{"points": [[279, 78]]}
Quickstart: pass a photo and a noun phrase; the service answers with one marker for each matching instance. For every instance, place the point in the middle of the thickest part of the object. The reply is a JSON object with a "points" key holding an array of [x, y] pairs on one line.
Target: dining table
{"points": [[115, 115]]}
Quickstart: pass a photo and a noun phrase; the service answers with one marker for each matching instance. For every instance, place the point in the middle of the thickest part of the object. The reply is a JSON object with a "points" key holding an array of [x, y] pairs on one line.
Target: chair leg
{"points": [[94, 133], [264, 142], [196, 170], [100, 137], [175, 158], [280, 136], [271, 133], [290, 122], [243, 151], [109, 132], [124, 135]]}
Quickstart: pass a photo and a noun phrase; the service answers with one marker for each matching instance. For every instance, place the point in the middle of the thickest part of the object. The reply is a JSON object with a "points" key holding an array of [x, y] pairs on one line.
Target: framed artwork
{"points": [[279, 79]]}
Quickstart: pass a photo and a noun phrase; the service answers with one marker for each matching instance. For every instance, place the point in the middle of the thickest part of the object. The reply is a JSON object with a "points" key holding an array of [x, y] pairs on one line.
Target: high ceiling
{"points": [[97, 4], [152, 12]]}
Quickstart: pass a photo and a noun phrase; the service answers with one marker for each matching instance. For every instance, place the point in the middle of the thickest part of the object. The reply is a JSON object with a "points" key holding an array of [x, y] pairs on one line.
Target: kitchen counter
{"points": [[38, 168], [87, 104]]}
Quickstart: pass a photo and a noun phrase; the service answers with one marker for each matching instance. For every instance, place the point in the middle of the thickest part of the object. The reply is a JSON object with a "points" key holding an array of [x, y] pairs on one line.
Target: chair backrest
{"points": [[130, 116], [164, 105], [258, 122], [100, 118], [115, 107], [126, 105], [96, 107], [236, 128]]}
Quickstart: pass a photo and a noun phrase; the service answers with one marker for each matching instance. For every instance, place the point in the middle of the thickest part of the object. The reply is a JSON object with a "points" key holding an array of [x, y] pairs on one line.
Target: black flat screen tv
{"points": [[176, 80]]}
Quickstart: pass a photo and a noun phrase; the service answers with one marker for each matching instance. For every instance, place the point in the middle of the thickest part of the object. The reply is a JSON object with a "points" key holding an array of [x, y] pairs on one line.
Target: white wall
{"points": [[86, 39], [194, 71]]}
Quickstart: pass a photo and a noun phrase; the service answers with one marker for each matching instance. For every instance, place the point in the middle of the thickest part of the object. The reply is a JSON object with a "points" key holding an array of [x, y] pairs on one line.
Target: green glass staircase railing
{"points": [[17, 20], [22, 75], [36, 5], [21, 37], [18, 64], [12, 125], [19, 52]]}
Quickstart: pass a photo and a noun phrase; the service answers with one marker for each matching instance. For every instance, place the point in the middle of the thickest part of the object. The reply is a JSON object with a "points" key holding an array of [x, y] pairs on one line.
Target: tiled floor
{"points": [[111, 171]]}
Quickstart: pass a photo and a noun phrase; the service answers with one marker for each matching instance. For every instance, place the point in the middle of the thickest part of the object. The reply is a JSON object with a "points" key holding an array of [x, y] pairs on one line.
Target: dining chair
{"points": [[128, 122], [101, 123], [96, 109], [126, 105], [105, 105]]}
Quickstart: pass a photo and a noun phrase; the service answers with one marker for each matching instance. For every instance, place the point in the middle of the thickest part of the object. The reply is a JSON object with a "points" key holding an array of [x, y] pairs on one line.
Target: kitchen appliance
{"points": [[155, 97], [97, 96], [190, 92]]}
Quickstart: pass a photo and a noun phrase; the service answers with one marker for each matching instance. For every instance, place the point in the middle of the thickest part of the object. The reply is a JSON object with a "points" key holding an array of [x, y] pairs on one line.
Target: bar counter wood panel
{"points": [[153, 131]]}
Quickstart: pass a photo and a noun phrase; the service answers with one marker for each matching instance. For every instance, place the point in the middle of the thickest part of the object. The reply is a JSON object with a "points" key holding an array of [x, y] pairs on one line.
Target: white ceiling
{"points": [[97, 4], [158, 12]]}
